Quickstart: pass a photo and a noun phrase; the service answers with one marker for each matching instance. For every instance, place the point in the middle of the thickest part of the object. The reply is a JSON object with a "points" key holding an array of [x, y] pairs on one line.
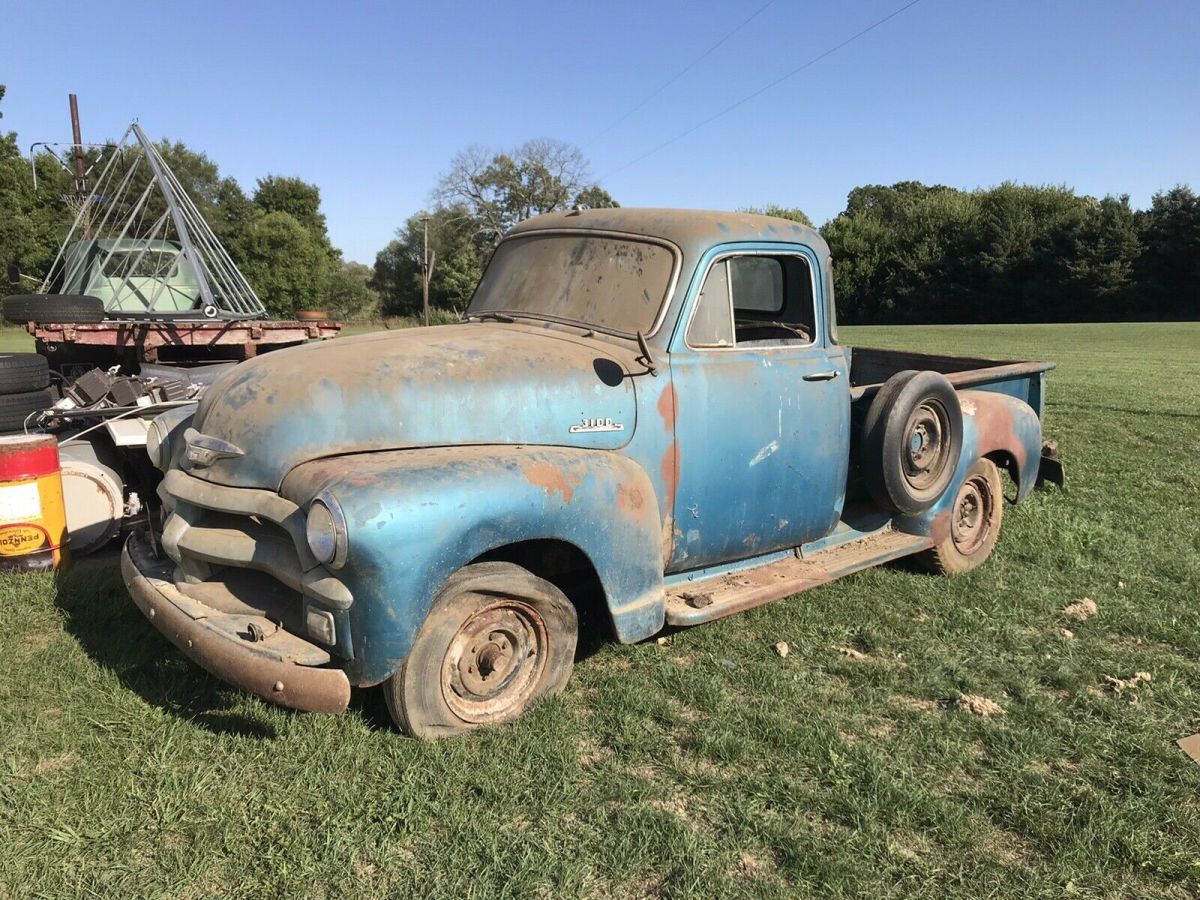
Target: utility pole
{"points": [[80, 173], [425, 271], [430, 258]]}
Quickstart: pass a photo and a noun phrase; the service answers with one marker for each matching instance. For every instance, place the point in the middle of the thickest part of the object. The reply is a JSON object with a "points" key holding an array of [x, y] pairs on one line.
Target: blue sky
{"points": [[371, 101]]}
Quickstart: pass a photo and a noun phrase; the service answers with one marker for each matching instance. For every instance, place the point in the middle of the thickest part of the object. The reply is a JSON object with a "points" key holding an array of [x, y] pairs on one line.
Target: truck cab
{"points": [[649, 409]]}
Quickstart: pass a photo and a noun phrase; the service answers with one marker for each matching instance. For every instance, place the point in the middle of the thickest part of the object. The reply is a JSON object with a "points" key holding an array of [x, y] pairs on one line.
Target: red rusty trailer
{"points": [[140, 341]]}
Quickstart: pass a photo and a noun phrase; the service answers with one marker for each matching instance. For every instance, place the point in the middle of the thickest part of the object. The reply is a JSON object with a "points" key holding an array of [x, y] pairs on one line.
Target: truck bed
{"points": [[871, 367]]}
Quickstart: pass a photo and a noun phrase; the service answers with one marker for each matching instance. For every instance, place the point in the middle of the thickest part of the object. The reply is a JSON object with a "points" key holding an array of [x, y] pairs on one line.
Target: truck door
{"points": [[762, 408]]}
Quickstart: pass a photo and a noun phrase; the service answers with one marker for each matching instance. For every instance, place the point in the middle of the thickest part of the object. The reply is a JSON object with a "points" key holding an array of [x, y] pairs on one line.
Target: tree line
{"points": [[915, 253], [905, 253]]}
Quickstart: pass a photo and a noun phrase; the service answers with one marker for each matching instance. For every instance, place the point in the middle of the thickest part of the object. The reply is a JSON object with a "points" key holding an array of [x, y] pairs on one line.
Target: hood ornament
{"points": [[203, 450]]}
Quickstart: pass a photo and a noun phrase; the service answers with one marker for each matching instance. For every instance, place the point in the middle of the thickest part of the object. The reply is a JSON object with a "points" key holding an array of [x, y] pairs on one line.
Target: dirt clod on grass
{"points": [[978, 706], [1119, 685], [1081, 610], [782, 649]]}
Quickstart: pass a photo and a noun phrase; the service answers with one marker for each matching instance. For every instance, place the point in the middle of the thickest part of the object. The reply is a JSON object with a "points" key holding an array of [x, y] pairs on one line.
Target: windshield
{"points": [[612, 283]]}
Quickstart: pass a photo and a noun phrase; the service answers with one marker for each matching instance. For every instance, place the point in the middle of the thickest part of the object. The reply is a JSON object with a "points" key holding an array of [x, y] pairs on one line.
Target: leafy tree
{"points": [[502, 189], [595, 197], [350, 296], [287, 266], [1169, 267], [1101, 253], [297, 198], [458, 245], [780, 212], [917, 253], [32, 224]]}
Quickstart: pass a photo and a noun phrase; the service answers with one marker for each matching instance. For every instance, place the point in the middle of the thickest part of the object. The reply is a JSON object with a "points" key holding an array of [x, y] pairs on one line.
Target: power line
{"points": [[761, 90], [674, 78]]}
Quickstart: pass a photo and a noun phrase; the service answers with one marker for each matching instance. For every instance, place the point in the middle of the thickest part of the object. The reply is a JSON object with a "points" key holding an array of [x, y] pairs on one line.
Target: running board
{"points": [[734, 592]]}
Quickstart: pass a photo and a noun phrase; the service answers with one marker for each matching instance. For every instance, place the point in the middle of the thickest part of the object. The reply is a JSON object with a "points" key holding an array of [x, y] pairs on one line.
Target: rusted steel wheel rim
{"points": [[494, 663], [972, 518], [925, 456]]}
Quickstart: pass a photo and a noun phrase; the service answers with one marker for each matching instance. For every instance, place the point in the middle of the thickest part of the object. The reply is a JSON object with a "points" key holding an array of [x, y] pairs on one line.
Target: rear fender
{"points": [[1007, 426], [994, 425], [417, 516]]}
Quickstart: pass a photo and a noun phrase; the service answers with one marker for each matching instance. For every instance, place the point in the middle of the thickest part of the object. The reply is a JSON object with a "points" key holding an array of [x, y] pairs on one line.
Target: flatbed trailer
{"points": [[136, 341]]}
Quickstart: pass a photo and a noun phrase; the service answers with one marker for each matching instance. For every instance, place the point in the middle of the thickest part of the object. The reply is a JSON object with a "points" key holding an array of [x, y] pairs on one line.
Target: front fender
{"points": [[417, 516]]}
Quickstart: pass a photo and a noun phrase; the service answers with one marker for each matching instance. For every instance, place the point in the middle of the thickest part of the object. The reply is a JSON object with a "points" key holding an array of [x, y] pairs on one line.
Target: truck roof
{"points": [[692, 230]]}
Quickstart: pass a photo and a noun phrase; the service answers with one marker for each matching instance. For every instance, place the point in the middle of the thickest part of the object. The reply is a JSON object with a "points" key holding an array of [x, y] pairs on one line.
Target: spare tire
{"points": [[21, 372], [16, 408], [911, 441], [53, 309]]}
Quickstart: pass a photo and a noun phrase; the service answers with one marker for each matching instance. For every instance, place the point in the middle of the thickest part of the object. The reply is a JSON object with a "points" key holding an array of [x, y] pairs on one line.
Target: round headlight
{"points": [[325, 531]]}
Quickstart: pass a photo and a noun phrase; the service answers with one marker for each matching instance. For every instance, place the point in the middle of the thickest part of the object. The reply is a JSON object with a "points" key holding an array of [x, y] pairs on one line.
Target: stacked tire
{"points": [[24, 389], [52, 309]]}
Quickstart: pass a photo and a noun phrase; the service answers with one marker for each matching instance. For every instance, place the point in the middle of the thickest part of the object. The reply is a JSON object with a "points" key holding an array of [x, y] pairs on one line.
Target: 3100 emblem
{"points": [[588, 426]]}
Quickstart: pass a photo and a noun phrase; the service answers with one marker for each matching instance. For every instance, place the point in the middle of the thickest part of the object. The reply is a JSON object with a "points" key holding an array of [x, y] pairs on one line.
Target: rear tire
{"points": [[975, 520], [23, 372], [53, 309], [497, 640]]}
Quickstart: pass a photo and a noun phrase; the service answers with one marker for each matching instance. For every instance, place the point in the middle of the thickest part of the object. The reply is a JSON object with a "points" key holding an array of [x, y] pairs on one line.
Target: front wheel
{"points": [[497, 639], [974, 523]]}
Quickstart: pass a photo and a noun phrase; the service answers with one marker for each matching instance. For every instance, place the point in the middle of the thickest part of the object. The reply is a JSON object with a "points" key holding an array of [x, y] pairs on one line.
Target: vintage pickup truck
{"points": [[645, 409]]}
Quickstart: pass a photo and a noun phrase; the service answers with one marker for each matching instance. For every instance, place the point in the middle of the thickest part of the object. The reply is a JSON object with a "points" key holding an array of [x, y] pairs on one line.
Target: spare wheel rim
{"points": [[925, 455]]}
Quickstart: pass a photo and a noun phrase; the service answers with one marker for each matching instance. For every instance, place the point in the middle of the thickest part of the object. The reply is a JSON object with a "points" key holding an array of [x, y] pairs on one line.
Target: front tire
{"points": [[497, 640], [975, 521]]}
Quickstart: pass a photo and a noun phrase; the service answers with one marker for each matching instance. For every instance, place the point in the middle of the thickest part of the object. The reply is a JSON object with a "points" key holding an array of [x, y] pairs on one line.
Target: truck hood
{"points": [[473, 383]]}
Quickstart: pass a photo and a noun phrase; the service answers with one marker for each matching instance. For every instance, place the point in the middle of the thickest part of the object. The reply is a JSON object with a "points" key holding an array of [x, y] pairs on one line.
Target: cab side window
{"points": [[757, 284], [755, 301]]}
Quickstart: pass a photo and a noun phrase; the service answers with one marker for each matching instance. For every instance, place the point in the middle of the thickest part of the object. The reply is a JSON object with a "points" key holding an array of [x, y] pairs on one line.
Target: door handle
{"points": [[822, 376]]}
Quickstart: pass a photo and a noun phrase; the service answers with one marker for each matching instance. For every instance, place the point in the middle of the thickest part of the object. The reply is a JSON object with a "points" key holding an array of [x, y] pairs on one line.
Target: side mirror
{"points": [[14, 273]]}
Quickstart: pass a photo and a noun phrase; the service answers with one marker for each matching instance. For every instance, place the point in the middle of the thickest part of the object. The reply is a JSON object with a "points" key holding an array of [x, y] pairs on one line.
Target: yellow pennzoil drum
{"points": [[33, 520]]}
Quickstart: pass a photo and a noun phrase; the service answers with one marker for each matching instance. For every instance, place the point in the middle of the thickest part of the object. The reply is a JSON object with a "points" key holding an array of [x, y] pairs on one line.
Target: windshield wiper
{"points": [[498, 316]]}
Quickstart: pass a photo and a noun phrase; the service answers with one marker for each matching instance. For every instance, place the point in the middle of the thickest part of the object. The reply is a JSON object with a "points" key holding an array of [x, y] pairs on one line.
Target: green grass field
{"points": [[707, 765]]}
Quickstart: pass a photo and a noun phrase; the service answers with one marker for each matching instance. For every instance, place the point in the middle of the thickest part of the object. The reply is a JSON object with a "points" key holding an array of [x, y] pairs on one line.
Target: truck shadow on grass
{"points": [[97, 612]]}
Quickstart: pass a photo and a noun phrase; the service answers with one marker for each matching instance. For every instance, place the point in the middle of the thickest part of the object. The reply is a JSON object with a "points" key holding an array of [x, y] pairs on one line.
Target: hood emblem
{"points": [[591, 426], [203, 450]]}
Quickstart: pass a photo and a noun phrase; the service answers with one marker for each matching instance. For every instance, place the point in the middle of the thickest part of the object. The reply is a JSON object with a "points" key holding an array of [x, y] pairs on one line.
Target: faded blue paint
{"points": [[1027, 388], [444, 444], [417, 516], [508, 383], [762, 451]]}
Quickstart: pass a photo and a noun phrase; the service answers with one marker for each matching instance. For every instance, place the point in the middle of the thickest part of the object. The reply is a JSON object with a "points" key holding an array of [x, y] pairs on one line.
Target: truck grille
{"points": [[213, 526]]}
